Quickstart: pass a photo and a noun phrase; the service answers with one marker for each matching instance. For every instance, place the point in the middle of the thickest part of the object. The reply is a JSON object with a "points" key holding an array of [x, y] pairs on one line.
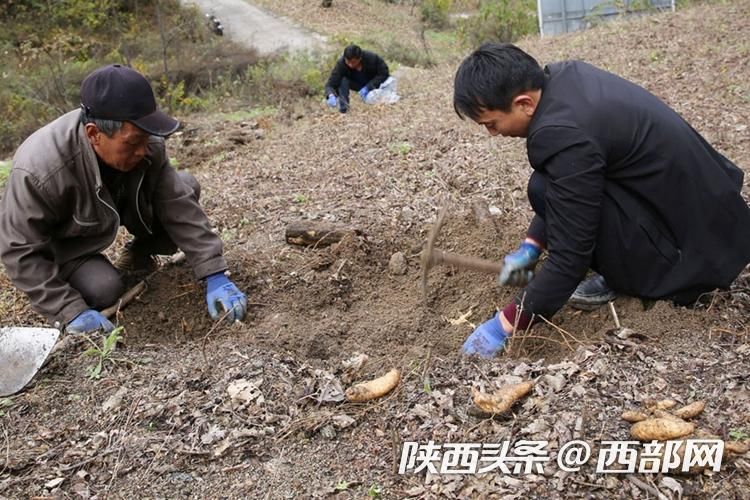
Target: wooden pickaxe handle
{"points": [[464, 261]]}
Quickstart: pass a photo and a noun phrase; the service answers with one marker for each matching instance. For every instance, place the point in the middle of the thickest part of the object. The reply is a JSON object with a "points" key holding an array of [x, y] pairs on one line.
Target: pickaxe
{"points": [[432, 256]]}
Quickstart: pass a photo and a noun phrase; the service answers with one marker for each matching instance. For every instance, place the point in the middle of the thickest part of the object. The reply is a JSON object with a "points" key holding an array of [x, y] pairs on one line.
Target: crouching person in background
{"points": [[77, 179], [364, 72]]}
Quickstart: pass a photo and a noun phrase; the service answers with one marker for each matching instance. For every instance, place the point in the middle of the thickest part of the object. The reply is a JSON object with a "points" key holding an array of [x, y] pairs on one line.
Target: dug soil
{"points": [[186, 407]]}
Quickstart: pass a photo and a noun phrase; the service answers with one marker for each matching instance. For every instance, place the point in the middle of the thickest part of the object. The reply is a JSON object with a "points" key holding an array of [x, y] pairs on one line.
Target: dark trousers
{"points": [[98, 281], [346, 85], [623, 270]]}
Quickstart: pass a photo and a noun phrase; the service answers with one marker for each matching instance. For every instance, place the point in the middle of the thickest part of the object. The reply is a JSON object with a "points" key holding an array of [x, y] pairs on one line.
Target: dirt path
{"points": [[249, 26]]}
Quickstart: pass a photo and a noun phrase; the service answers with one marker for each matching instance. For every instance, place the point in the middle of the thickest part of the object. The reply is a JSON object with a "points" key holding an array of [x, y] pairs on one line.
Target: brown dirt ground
{"points": [[175, 432]]}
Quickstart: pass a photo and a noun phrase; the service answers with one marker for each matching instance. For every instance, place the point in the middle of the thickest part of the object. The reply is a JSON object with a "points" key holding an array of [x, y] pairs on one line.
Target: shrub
{"points": [[434, 13], [4, 172], [301, 74], [500, 21]]}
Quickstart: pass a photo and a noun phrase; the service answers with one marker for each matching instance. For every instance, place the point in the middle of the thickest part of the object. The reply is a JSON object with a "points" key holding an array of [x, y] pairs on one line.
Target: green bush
{"points": [[300, 75], [48, 47], [4, 172], [499, 21], [434, 13]]}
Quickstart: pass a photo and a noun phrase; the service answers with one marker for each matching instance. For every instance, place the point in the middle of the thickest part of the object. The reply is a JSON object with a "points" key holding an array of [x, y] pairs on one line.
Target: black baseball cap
{"points": [[116, 92]]}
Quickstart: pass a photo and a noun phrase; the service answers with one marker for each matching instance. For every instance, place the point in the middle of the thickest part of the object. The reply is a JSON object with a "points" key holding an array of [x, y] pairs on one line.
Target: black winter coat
{"points": [[373, 66], [633, 192]]}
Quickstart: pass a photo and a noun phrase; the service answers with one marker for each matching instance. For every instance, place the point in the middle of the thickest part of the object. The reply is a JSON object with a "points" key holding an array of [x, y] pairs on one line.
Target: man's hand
{"points": [[89, 321], [363, 92], [488, 338], [518, 267], [223, 294], [331, 101]]}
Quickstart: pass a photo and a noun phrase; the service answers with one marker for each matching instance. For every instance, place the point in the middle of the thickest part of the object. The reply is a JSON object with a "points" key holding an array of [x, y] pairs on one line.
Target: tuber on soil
{"points": [[661, 429], [634, 416], [691, 410], [375, 388], [501, 400], [663, 404], [736, 447]]}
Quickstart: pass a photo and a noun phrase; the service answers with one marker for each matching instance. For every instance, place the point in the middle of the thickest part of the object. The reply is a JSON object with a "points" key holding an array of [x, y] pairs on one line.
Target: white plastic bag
{"points": [[385, 94]]}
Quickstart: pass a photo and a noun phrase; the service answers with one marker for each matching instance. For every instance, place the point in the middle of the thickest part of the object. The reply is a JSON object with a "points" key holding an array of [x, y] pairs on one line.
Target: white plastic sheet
{"points": [[385, 94]]}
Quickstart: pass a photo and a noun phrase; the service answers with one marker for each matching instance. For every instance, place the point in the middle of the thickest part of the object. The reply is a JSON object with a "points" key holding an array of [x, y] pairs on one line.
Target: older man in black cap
{"points": [[76, 180]]}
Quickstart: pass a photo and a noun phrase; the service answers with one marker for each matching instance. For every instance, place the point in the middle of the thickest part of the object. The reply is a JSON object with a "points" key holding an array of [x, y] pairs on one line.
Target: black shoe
{"points": [[591, 293], [343, 105]]}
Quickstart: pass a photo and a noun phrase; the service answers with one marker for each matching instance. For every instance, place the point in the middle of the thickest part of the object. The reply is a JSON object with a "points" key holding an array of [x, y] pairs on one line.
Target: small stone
{"points": [[397, 264], [328, 432]]}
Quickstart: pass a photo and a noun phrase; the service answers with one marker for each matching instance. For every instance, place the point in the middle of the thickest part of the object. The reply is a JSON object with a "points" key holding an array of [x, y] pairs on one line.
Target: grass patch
{"points": [[251, 114], [4, 172]]}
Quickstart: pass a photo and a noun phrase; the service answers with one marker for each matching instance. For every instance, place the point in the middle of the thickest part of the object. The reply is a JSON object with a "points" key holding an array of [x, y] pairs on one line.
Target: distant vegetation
{"points": [[48, 46], [4, 171]]}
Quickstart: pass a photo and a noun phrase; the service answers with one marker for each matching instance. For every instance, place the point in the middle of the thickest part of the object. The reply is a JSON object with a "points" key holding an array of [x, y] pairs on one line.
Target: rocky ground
{"points": [[188, 408]]}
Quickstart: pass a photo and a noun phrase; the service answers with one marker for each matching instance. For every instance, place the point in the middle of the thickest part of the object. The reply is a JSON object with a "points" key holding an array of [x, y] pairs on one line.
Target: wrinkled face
{"points": [[354, 63], [124, 150]]}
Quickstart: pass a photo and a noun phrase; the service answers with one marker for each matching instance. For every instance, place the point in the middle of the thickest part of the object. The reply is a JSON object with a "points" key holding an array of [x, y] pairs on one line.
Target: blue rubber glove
{"points": [[331, 101], [363, 92], [488, 338], [223, 294], [518, 267], [89, 321]]}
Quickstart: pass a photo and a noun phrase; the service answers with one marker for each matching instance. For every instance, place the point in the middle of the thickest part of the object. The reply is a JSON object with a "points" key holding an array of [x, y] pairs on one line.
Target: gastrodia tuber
{"points": [[501, 400], [375, 388]]}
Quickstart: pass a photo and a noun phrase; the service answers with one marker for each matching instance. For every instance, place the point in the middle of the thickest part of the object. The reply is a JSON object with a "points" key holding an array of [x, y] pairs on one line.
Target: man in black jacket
{"points": [[621, 185], [358, 70]]}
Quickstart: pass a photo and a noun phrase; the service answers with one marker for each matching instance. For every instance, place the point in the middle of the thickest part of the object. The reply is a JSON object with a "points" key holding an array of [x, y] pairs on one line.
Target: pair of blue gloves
{"points": [[518, 269], [332, 101], [221, 296]]}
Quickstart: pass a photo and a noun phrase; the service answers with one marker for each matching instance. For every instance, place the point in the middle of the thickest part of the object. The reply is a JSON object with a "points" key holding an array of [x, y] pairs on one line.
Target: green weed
{"points": [[738, 435], [374, 491], [342, 486], [104, 352], [402, 148], [5, 403]]}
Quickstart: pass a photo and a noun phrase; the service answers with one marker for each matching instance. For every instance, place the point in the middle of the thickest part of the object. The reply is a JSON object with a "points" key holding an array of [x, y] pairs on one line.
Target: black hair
{"points": [[492, 76], [353, 52]]}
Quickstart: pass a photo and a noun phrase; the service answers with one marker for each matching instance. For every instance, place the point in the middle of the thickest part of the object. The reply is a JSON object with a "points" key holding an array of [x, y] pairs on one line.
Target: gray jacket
{"points": [[56, 209]]}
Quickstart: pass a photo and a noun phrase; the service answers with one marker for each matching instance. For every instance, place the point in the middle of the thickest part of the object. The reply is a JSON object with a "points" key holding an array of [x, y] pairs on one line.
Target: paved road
{"points": [[249, 26]]}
